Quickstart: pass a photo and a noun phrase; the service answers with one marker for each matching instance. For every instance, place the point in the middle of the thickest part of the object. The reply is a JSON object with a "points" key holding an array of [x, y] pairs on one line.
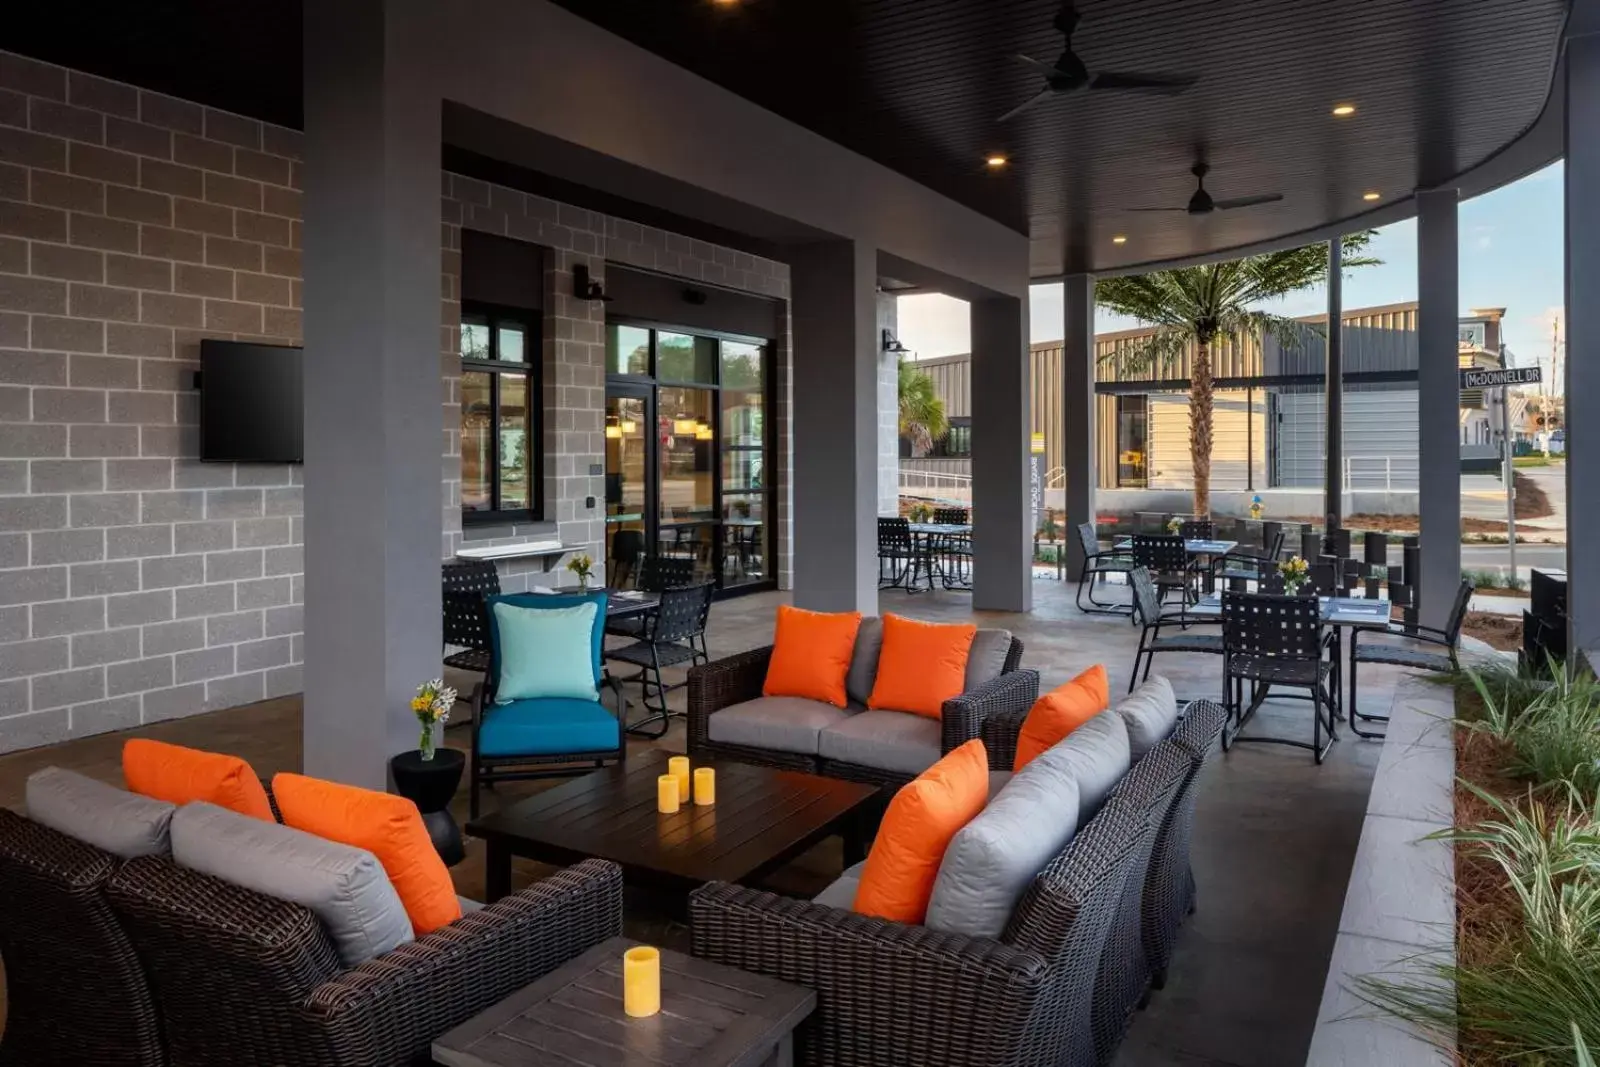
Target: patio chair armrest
{"points": [[889, 992], [404, 999], [722, 684], [962, 718], [1429, 635]]}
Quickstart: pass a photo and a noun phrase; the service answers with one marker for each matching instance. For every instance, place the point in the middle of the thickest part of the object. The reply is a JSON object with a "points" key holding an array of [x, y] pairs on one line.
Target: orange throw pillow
{"points": [[387, 826], [1061, 711], [897, 881], [179, 775], [922, 665], [811, 655]]}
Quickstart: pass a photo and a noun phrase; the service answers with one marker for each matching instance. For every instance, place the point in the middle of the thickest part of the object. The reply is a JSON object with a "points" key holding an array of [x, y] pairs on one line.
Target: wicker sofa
{"points": [[736, 682], [1089, 937]]}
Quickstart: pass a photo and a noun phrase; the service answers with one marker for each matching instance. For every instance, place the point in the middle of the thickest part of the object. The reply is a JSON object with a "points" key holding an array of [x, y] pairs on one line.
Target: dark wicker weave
{"points": [[738, 678], [467, 585], [245, 979], [75, 992], [1146, 792], [890, 994]]}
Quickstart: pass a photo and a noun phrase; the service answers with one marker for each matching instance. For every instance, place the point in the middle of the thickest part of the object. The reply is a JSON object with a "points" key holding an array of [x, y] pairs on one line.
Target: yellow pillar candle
{"points": [[667, 794], [641, 981], [705, 786], [679, 765]]}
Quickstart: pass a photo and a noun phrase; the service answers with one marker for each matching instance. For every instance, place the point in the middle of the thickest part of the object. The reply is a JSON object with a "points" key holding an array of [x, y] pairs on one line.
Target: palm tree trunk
{"points": [[1200, 388]]}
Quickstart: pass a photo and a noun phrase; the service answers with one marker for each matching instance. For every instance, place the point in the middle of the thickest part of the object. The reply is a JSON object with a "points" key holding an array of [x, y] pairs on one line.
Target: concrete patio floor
{"points": [[1274, 836]]}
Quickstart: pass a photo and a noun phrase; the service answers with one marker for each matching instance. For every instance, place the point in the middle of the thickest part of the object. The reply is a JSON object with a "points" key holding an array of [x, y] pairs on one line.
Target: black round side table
{"points": [[430, 784]]}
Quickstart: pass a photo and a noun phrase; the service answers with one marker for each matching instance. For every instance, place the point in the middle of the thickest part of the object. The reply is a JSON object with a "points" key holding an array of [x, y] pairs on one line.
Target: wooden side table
{"points": [[430, 784], [711, 1016]]}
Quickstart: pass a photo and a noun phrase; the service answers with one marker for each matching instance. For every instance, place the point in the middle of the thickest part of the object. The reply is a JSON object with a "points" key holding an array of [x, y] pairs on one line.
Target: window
{"points": [[957, 440], [500, 434], [1133, 449]]}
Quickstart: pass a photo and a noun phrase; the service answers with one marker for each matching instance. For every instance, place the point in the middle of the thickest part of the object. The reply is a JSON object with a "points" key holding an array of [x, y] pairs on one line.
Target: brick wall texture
{"points": [[136, 583]]}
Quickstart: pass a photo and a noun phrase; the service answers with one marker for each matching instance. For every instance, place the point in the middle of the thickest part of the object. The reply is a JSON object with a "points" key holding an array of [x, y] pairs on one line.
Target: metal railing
{"points": [[921, 479], [1380, 472]]}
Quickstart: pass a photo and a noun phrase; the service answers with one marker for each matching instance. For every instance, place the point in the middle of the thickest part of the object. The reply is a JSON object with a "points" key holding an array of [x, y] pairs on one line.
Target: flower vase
{"points": [[583, 584], [425, 741], [1293, 588]]}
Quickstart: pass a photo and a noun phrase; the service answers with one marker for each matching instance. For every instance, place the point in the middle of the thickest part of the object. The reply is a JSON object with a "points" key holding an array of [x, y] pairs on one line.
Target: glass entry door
{"points": [[628, 481]]}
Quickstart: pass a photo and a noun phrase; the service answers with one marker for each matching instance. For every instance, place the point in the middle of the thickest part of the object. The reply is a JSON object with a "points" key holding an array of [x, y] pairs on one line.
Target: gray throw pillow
{"points": [[994, 858], [1099, 753], [345, 887], [864, 660], [122, 823], [987, 657], [1149, 712]]}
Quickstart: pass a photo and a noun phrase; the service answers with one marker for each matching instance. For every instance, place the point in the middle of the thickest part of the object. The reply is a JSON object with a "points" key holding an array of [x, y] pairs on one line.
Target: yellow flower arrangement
{"points": [[1295, 571], [431, 705]]}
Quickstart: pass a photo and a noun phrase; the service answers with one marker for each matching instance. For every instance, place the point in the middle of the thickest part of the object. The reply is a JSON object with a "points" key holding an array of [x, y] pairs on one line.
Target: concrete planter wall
{"points": [[1401, 900]]}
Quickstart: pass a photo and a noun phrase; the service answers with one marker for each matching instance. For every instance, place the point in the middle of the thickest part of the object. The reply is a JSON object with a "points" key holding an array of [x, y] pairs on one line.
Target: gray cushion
{"points": [[122, 823], [344, 887], [987, 658], [1149, 712], [788, 724], [842, 893], [1099, 754], [994, 858], [888, 740], [864, 660]]}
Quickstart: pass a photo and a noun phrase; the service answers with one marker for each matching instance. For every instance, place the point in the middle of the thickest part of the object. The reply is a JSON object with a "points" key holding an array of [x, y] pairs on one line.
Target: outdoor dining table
{"points": [[1195, 546], [926, 535]]}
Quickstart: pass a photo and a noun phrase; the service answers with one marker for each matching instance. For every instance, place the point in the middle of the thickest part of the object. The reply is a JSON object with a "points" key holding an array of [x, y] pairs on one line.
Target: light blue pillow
{"points": [[545, 652]]}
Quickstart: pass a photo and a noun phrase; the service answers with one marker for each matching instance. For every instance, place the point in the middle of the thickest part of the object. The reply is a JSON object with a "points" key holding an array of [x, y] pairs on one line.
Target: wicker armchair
{"points": [[246, 979], [75, 991], [738, 678], [890, 994]]}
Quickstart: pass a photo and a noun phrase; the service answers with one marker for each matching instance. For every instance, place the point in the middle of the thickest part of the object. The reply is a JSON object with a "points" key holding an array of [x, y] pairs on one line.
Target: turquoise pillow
{"points": [[545, 652]]}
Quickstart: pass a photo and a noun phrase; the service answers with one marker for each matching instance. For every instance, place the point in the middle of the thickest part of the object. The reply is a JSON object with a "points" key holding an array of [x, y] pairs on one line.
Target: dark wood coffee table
{"points": [[711, 1016], [762, 819]]}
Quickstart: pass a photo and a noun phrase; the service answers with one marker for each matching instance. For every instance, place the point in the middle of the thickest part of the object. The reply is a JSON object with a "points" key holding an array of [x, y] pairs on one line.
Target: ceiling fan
{"points": [[1070, 75], [1201, 203]]}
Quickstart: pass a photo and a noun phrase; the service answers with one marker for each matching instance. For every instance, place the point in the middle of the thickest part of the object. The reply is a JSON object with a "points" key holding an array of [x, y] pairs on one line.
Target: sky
{"points": [[1511, 257]]}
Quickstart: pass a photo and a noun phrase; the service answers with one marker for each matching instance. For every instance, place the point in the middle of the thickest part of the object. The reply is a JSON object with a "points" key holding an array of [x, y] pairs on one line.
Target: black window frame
{"points": [[531, 368]]}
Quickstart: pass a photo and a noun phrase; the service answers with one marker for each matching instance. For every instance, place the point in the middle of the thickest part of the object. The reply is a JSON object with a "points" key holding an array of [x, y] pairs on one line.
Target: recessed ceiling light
{"points": [[995, 161], [1343, 110], [1119, 239], [1371, 194]]}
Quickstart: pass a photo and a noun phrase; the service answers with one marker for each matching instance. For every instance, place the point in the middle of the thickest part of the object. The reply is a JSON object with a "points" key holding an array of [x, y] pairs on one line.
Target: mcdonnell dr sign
{"points": [[1489, 379]]}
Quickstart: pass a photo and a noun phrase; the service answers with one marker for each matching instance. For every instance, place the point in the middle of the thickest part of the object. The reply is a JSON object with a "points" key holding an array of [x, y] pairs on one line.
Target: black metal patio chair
{"points": [[1147, 605], [1245, 562], [467, 585], [1382, 651], [1273, 640], [627, 546], [673, 636], [1097, 563], [1164, 556], [896, 553], [1198, 530]]}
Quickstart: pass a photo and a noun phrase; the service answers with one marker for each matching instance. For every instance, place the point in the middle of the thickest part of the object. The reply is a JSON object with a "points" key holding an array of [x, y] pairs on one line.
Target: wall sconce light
{"points": [[685, 427], [613, 431], [629, 426], [891, 343], [703, 433], [585, 287]]}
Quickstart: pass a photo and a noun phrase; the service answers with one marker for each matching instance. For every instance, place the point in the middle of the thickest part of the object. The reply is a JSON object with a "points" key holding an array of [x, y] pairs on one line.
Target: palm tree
{"points": [[922, 418], [1200, 305]]}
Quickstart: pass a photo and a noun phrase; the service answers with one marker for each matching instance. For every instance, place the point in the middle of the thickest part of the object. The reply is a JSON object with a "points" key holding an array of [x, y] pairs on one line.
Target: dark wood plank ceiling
{"points": [[917, 85], [1439, 85]]}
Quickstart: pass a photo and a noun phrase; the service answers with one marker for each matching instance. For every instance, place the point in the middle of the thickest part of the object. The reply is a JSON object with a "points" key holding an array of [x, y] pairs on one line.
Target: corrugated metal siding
{"points": [[1236, 428], [1380, 439]]}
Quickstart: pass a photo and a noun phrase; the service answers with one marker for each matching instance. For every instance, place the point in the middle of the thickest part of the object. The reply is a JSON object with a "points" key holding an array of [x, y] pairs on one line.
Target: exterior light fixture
{"points": [[613, 431], [703, 433], [994, 161], [1371, 194], [1344, 110], [1120, 239], [891, 343], [629, 426], [684, 426]]}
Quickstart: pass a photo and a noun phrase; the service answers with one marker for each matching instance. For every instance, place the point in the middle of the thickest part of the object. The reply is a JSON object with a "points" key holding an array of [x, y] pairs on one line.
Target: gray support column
{"points": [[1002, 510], [1077, 412], [1581, 368], [373, 391], [888, 410], [833, 303], [1333, 476], [1438, 404]]}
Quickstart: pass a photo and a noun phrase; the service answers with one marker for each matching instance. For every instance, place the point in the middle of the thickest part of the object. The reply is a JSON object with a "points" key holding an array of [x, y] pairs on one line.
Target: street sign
{"points": [[1490, 379]]}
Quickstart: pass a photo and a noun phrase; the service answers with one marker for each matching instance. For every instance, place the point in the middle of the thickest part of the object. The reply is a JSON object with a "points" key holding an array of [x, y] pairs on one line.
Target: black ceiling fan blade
{"points": [[1039, 66], [1184, 209], [1248, 201], [1162, 84], [1039, 97]]}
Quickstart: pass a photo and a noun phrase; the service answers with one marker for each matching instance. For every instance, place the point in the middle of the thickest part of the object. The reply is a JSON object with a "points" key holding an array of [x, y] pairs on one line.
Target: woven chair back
{"points": [[1272, 626], [1160, 553], [466, 586]]}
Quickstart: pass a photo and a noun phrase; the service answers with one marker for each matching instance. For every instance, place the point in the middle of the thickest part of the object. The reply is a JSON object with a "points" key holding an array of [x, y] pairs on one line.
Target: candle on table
{"points": [[679, 765], [705, 786], [641, 981], [667, 800]]}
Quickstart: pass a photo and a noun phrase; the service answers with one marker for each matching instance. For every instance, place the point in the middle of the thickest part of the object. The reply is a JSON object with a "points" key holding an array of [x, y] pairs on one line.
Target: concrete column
{"points": [[1333, 475], [373, 505], [834, 304], [888, 410], [1002, 511], [1438, 403], [1581, 370], [1077, 412]]}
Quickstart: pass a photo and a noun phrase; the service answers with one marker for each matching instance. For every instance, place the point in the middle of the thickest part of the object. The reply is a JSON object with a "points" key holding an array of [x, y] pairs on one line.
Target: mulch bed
{"points": [[1503, 632]]}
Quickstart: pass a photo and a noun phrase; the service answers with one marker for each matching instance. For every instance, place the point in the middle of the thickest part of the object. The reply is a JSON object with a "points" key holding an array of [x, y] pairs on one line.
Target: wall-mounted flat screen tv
{"points": [[250, 403]]}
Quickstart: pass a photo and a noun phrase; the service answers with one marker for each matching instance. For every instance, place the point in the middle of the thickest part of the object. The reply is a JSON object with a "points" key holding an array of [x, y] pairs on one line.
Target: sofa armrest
{"points": [[404, 999], [722, 684], [886, 992], [999, 733], [962, 717]]}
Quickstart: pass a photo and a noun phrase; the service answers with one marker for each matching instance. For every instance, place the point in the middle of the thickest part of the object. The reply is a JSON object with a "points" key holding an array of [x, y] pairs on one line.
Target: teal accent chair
{"points": [[544, 737]]}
